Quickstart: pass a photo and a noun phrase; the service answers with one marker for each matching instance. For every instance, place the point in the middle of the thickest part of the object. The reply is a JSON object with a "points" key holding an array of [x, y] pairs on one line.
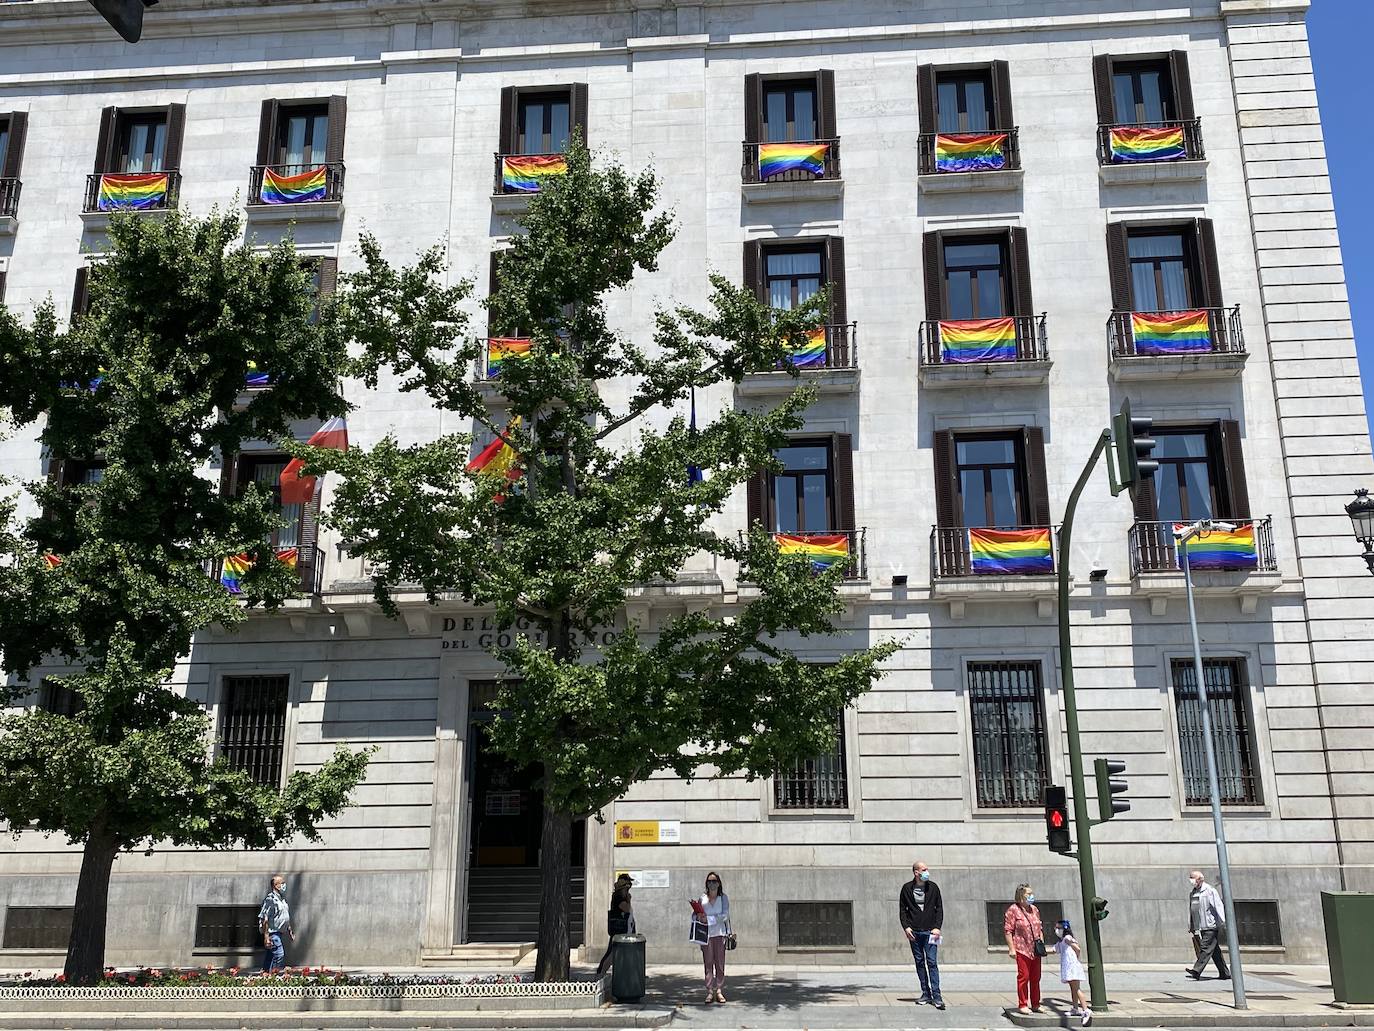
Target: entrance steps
{"points": [[478, 954]]}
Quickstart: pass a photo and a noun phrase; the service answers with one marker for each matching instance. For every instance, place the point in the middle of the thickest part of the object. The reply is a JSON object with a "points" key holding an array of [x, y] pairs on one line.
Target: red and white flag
{"points": [[297, 489]]}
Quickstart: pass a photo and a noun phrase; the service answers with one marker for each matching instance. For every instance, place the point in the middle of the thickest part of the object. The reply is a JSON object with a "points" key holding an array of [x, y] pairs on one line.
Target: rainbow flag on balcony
{"points": [[135, 191], [1171, 332], [978, 340], [970, 151], [1138, 143], [1011, 552], [810, 355], [233, 571], [823, 549], [1221, 549], [525, 173], [501, 350], [256, 377], [292, 189], [776, 158]]}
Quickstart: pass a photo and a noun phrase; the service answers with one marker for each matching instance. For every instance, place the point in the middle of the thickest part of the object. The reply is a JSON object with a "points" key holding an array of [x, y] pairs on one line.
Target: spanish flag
{"points": [[300, 490]]}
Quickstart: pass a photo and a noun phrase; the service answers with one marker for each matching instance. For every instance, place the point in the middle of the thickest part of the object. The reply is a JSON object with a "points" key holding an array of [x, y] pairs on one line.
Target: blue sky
{"points": [[1340, 31]]}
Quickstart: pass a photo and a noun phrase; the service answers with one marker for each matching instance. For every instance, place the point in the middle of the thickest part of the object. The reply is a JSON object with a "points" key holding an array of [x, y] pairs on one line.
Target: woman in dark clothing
{"points": [[619, 918]]}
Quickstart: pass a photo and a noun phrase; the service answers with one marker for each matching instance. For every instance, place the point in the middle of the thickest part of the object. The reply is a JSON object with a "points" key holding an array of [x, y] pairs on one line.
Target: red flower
{"points": [[61, 978]]}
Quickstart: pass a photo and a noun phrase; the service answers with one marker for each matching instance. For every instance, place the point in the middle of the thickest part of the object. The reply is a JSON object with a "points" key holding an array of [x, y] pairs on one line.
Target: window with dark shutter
{"points": [[80, 297], [1118, 266], [933, 251], [1003, 115], [825, 85], [835, 280], [38, 927], [1007, 717], [252, 732], [753, 268], [964, 100], [337, 112], [842, 454], [303, 132], [1102, 89], [13, 130], [1209, 266], [267, 132], [232, 928], [815, 925], [1037, 482], [802, 496], [1233, 462], [1022, 300], [176, 133], [2, 286], [792, 110], [1181, 85], [819, 782], [946, 480], [1228, 706], [925, 98], [541, 119], [995, 911], [104, 141], [753, 108]]}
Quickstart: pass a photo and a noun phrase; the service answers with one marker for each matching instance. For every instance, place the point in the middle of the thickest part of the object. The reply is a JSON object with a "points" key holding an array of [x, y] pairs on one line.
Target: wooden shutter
{"points": [[753, 108], [329, 276], [1003, 118], [506, 144], [338, 121], [104, 141], [842, 455], [934, 256], [577, 108], [1102, 86], [926, 98], [309, 534], [176, 133], [1022, 302], [2, 286], [1233, 460], [1119, 267], [825, 113], [229, 475], [756, 498], [79, 295], [946, 479], [1209, 267], [753, 269], [834, 270], [1037, 483], [1182, 85], [267, 132], [14, 150], [57, 476]]}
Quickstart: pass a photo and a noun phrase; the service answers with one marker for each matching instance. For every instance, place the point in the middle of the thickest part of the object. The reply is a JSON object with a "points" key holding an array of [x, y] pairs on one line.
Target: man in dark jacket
{"points": [[921, 913]]}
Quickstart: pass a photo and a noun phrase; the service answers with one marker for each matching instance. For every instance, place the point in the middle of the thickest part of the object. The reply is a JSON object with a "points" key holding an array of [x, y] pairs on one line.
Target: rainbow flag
{"points": [[1011, 552], [256, 377], [525, 173], [823, 549], [233, 571], [810, 355], [290, 557], [1171, 332], [53, 561], [970, 151], [505, 349], [134, 191], [1136, 143], [776, 158], [1221, 549], [292, 189], [978, 340]]}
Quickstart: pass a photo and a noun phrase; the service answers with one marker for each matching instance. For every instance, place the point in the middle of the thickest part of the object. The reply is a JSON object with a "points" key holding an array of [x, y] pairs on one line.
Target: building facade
{"points": [[1027, 214]]}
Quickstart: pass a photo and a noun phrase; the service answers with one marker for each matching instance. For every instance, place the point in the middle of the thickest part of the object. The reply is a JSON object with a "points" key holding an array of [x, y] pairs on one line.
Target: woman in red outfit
{"points": [[1023, 932]]}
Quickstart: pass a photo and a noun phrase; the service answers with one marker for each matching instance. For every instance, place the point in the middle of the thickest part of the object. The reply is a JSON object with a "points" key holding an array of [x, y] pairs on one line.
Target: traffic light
{"points": [[1134, 445], [1057, 819], [124, 16], [1109, 786], [1099, 908]]}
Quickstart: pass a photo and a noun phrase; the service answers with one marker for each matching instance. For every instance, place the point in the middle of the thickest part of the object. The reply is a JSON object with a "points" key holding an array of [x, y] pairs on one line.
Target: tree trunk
{"points": [[86, 950], [555, 890]]}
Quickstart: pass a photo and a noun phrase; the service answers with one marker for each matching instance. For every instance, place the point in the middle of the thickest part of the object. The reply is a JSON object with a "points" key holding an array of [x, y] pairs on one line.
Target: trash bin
{"points": [[627, 967], [1349, 918]]}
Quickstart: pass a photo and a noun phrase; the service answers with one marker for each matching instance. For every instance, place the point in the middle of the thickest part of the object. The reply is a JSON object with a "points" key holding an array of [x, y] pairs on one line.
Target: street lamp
{"points": [[124, 16], [1200, 529], [1361, 513]]}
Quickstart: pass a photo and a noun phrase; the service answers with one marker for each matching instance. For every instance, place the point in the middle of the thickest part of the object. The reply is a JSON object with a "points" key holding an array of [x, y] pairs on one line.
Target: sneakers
{"points": [[1086, 1018], [939, 1004], [925, 1000], [1075, 1012]]}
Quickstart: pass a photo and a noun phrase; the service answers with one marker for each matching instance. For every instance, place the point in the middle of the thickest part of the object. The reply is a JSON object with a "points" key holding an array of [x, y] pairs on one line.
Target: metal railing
{"points": [[1223, 326], [9, 196], [856, 568], [166, 202], [830, 164], [1031, 342], [841, 347], [1154, 550], [1192, 140], [309, 564], [333, 180], [925, 152], [500, 185], [951, 558], [819, 782]]}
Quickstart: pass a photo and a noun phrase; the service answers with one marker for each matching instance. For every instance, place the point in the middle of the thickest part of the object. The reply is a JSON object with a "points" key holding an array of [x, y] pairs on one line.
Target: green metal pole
{"points": [[1081, 818]]}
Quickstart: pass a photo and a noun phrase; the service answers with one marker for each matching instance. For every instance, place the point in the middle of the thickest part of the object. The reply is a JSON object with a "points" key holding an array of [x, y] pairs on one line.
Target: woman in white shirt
{"points": [[715, 915]]}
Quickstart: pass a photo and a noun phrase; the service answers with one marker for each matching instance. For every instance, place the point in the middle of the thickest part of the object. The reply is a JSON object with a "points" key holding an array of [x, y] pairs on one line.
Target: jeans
{"points": [[274, 955], [1027, 980], [926, 954], [1210, 949]]}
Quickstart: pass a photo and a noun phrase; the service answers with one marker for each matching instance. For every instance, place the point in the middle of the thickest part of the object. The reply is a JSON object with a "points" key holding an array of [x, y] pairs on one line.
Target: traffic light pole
{"points": [[1081, 817]]}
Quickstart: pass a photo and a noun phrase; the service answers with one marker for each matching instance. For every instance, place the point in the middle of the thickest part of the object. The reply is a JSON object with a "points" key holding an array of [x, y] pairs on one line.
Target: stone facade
{"points": [[665, 87]]}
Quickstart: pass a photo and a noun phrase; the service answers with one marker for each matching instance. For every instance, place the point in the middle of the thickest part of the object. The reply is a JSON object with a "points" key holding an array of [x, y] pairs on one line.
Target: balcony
{"points": [[1200, 343], [309, 564], [1242, 563], [9, 205], [773, 172], [519, 176], [831, 365], [969, 162], [1009, 351], [1150, 152], [296, 193], [140, 192], [1004, 563]]}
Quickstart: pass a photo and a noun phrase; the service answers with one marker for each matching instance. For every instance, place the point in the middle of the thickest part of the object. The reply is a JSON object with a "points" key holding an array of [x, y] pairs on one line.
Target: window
{"points": [[1050, 914], [38, 927], [802, 495], [815, 925], [1186, 480], [4, 137], [1142, 91], [253, 725], [233, 928], [265, 471], [302, 135], [991, 481], [819, 783], [792, 107], [545, 121], [1228, 706], [789, 110], [142, 142], [1007, 712], [1257, 923], [793, 276], [59, 699], [964, 101], [786, 274], [1163, 271], [976, 278]]}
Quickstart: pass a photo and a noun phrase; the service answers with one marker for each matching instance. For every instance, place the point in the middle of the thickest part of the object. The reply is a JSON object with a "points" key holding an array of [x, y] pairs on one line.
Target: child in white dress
{"points": [[1071, 971]]}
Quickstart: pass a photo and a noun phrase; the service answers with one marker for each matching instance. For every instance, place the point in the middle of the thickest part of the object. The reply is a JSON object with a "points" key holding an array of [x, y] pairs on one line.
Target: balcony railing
{"points": [[1155, 550], [1136, 143], [1030, 345], [791, 162], [132, 191], [309, 564], [296, 184], [9, 196], [841, 350], [847, 549], [527, 172], [956, 153], [1167, 334], [997, 551]]}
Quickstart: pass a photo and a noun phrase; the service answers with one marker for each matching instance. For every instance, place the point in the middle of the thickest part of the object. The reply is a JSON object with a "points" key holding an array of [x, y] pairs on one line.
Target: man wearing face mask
{"points": [[1207, 925], [274, 919], [921, 912]]}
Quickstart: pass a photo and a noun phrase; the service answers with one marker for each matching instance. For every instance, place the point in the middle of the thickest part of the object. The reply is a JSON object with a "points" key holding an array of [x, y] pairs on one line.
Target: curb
{"points": [[1116, 1018], [617, 1017]]}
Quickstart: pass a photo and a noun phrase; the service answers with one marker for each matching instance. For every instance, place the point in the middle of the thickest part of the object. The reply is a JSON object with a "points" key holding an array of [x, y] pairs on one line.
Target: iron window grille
{"points": [[234, 928], [1007, 711], [38, 927], [815, 783], [253, 726], [1257, 923], [996, 912], [1232, 738], [815, 925]]}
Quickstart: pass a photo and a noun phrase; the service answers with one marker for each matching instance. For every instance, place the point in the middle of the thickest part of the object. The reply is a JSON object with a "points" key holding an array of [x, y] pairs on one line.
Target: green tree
{"points": [[114, 572], [604, 508]]}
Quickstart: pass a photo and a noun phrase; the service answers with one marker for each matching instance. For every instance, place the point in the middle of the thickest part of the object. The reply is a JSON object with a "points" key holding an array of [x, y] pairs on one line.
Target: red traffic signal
{"points": [[1057, 819]]}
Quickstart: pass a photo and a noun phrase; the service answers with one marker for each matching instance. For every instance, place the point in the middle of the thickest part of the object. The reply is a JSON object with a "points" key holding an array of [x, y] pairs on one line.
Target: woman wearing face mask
{"points": [[1071, 971], [713, 912], [1026, 944]]}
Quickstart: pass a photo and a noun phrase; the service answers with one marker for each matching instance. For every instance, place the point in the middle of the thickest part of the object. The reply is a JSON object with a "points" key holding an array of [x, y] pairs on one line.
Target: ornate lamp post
{"points": [[1361, 513]]}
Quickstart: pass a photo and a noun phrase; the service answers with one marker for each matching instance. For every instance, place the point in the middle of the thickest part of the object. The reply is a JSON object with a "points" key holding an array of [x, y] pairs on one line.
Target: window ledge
{"points": [[833, 815], [1178, 367], [805, 189], [826, 381], [997, 181], [1205, 811], [229, 950], [1009, 813], [1170, 583], [8, 225], [310, 211], [1153, 172], [800, 950], [937, 377], [959, 591], [95, 221], [510, 203]]}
